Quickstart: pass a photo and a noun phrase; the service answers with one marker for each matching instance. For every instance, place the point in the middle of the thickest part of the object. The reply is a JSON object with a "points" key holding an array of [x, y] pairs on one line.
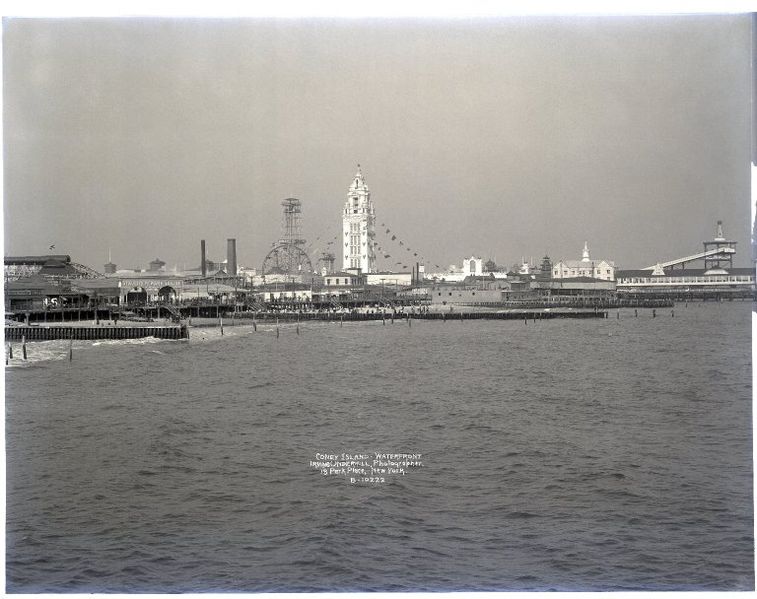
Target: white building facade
{"points": [[359, 228], [473, 267], [585, 267]]}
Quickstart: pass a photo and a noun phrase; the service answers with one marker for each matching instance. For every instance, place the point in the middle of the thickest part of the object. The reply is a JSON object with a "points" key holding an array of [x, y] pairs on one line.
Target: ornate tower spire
{"points": [[358, 225], [585, 255]]}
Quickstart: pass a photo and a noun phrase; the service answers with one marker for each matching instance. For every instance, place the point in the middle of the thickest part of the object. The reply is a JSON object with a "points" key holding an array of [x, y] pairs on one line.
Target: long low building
{"points": [[694, 282]]}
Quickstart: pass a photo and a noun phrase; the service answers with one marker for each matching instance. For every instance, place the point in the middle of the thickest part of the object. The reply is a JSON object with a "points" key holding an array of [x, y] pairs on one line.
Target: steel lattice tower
{"points": [[288, 255]]}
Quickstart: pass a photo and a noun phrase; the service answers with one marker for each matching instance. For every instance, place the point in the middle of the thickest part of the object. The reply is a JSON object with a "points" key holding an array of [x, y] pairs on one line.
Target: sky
{"points": [[498, 138]]}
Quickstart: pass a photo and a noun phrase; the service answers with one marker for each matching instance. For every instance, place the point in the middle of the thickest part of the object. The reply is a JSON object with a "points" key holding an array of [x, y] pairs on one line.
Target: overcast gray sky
{"points": [[499, 138]]}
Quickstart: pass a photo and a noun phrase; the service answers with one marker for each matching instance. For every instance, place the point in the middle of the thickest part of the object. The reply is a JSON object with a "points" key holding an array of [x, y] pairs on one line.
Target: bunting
{"points": [[393, 237]]}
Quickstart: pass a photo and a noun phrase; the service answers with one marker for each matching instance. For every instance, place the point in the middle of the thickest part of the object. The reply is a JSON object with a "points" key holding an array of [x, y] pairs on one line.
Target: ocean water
{"points": [[565, 454]]}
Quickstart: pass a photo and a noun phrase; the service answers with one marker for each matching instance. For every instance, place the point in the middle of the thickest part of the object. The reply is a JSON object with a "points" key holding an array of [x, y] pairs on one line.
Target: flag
{"points": [[394, 237], [52, 247]]}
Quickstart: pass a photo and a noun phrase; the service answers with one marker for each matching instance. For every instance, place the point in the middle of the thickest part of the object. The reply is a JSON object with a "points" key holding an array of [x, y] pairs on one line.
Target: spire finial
{"points": [[719, 234], [585, 257]]}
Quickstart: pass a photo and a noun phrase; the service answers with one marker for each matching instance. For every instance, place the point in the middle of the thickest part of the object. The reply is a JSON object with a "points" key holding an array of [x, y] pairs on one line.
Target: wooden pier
{"points": [[92, 333]]}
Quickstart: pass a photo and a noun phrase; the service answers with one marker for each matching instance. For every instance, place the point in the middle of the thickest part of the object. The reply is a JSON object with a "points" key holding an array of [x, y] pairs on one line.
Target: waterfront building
{"points": [[389, 279], [545, 270], [693, 283], [296, 292], [343, 279], [585, 267], [359, 228], [448, 296], [54, 281], [473, 267], [675, 278]]}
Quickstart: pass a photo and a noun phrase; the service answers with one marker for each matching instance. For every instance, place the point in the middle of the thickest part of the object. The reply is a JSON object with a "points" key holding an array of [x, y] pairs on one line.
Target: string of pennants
{"points": [[390, 237], [401, 245]]}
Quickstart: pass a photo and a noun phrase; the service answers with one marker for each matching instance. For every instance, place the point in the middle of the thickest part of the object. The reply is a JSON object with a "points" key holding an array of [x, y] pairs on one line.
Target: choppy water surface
{"points": [[566, 454]]}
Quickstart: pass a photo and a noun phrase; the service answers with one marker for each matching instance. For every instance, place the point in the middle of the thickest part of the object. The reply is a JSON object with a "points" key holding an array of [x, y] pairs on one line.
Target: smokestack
{"points": [[231, 257], [202, 258]]}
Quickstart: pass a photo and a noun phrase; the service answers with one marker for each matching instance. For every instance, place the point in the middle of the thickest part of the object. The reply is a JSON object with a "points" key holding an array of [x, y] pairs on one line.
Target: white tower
{"points": [[358, 225], [585, 254]]}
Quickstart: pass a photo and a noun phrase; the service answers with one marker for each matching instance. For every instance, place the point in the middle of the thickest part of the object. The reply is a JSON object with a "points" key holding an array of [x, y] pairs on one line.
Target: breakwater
{"points": [[51, 333], [443, 316]]}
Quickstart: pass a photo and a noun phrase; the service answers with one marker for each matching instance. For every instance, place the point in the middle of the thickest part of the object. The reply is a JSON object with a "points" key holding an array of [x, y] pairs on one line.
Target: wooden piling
{"points": [[10, 351], [23, 346], [71, 347]]}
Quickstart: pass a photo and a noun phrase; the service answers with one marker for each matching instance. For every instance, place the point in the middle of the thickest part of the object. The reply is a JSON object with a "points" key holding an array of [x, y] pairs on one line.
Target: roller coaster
{"points": [[20, 267], [717, 254]]}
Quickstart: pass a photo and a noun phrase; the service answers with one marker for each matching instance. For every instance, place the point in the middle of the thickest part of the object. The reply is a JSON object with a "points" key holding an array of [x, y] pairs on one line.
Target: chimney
{"points": [[202, 258], [231, 257]]}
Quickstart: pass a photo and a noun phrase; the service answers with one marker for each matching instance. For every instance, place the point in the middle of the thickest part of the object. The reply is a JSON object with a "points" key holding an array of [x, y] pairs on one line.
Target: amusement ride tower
{"points": [[288, 256]]}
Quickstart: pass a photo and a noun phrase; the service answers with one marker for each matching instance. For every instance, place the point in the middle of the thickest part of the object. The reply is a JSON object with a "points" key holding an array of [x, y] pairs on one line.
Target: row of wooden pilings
{"points": [[443, 316], [51, 333]]}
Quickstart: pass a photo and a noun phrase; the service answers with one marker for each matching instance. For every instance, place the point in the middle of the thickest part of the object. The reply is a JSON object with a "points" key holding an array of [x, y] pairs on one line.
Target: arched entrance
{"points": [[136, 296], [167, 294]]}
